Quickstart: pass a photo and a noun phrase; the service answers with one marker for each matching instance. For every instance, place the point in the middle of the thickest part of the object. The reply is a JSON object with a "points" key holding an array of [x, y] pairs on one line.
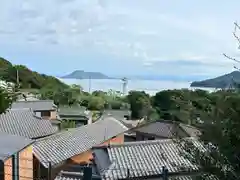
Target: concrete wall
{"points": [[8, 169], [26, 164], [85, 157]]}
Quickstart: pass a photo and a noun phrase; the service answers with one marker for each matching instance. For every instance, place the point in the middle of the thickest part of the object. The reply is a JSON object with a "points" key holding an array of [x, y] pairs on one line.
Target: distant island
{"points": [[219, 82], [80, 74]]}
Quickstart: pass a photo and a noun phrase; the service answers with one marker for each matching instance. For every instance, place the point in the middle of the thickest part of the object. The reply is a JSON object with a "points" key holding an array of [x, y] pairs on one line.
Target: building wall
{"points": [[85, 157], [43, 114], [116, 140], [53, 115], [8, 169], [26, 164]]}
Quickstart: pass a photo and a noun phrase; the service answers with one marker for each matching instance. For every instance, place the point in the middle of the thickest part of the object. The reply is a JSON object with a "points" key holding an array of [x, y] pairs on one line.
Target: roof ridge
{"points": [[117, 121], [136, 143], [19, 109]]}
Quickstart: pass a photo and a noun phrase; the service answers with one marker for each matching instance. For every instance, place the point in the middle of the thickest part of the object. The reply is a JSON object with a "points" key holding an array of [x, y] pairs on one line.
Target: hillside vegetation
{"points": [[28, 79], [223, 81]]}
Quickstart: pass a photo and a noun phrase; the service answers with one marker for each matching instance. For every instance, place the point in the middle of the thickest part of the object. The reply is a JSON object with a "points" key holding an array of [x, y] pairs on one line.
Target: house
{"points": [[124, 117], [24, 122], [42, 108], [163, 130], [143, 160], [79, 115], [16, 159], [73, 146]]}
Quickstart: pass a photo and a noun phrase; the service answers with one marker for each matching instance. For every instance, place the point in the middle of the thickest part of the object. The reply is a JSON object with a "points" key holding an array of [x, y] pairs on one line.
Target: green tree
{"points": [[6, 100], [66, 124], [140, 104], [220, 138], [96, 103], [99, 93]]}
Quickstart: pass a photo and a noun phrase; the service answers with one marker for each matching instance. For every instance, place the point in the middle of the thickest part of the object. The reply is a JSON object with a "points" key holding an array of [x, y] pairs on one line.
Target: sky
{"points": [[120, 37]]}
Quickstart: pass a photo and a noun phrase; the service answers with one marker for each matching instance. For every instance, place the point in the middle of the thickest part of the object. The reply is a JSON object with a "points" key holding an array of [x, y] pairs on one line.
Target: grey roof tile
{"points": [[118, 114], [144, 158], [64, 145], [23, 122], [65, 175], [10, 144], [192, 131], [39, 105], [73, 110], [165, 129]]}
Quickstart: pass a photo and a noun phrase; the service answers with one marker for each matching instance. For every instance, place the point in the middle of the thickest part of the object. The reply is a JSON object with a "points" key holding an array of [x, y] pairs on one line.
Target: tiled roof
{"points": [[73, 110], [39, 105], [118, 114], [190, 130], [23, 122], [74, 176], [10, 144], [165, 129], [64, 145], [139, 159]]}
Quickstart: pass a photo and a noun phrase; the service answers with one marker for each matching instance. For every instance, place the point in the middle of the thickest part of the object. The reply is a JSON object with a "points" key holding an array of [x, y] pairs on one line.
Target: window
{"points": [[15, 166], [151, 138], [45, 113]]}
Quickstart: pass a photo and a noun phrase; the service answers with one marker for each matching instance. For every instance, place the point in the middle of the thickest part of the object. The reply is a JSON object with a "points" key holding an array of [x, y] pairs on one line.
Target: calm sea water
{"points": [[150, 86]]}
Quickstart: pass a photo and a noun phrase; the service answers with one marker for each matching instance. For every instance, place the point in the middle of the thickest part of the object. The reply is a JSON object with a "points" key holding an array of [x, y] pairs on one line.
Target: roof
{"points": [[66, 144], [164, 129], [24, 123], [190, 130], [118, 114], [132, 123], [10, 144], [72, 111], [140, 159], [39, 105], [64, 175]]}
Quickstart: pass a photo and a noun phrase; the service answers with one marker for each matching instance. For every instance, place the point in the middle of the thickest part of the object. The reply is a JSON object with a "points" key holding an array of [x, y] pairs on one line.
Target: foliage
{"points": [[140, 104], [221, 138], [96, 103], [6, 99], [27, 78], [68, 124]]}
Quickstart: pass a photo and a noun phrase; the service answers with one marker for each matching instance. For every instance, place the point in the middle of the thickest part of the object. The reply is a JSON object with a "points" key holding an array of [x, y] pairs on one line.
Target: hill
{"points": [[28, 79], [219, 82], [79, 74]]}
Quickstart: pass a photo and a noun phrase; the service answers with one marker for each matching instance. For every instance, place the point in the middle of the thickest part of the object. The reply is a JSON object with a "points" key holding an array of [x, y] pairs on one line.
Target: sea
{"points": [[149, 86]]}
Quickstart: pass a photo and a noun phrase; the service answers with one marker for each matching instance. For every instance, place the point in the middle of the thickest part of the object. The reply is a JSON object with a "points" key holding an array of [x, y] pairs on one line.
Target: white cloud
{"points": [[137, 31]]}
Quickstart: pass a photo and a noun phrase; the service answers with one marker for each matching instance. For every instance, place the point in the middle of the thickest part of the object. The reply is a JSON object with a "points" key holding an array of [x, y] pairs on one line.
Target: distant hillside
{"points": [[79, 74], [28, 79], [219, 82]]}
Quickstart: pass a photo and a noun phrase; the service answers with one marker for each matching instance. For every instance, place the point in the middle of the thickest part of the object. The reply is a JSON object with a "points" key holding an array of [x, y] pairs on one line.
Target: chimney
{"points": [[87, 173]]}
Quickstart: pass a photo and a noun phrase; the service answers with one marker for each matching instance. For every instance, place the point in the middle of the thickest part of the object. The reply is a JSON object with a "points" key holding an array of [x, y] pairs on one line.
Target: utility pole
{"points": [[17, 78], [89, 84]]}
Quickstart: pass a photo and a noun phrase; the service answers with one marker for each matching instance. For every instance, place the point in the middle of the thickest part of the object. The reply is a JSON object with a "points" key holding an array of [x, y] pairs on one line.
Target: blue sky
{"points": [[120, 37]]}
